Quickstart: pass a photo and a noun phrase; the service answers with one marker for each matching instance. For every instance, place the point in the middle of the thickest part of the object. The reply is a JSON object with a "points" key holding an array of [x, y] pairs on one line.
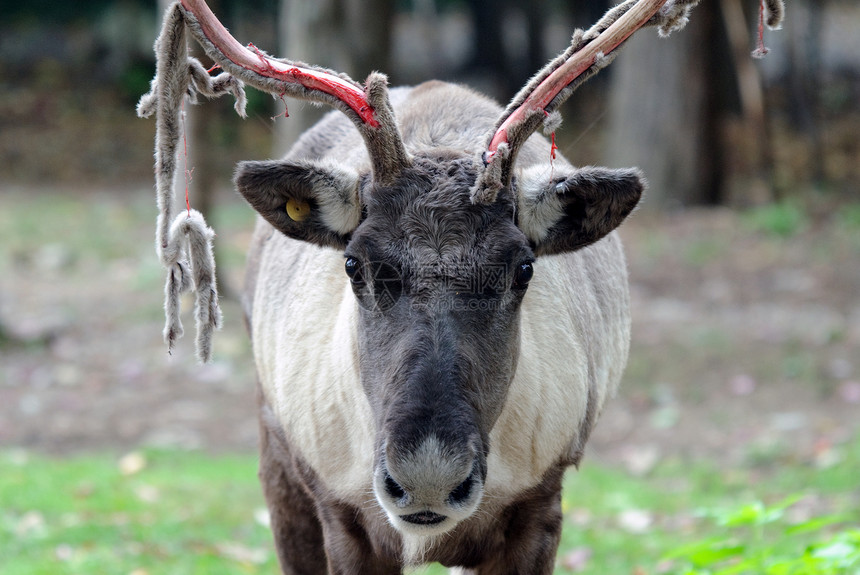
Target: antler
{"points": [[184, 242], [538, 101], [368, 107]]}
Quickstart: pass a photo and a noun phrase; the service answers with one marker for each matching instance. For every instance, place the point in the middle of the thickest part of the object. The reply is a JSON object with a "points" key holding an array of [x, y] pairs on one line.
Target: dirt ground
{"points": [[745, 349]]}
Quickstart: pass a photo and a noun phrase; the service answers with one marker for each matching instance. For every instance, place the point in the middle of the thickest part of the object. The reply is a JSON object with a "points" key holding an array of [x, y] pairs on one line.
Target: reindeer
{"points": [[438, 302]]}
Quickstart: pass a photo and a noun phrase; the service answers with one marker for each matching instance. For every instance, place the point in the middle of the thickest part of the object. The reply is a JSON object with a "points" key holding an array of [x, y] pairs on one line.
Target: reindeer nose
{"points": [[456, 497], [431, 487]]}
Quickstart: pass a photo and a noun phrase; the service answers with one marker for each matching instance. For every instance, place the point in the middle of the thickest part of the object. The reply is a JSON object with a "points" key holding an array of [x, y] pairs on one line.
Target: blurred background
{"points": [[744, 258]]}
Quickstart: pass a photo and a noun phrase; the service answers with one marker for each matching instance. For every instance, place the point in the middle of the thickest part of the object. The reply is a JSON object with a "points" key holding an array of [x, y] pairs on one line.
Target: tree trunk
{"points": [[804, 77], [536, 17], [348, 36], [488, 51], [749, 179], [368, 27], [663, 113], [308, 32]]}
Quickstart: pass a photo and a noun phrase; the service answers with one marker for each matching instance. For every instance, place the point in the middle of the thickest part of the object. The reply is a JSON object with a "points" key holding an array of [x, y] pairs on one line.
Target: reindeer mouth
{"points": [[424, 518]]}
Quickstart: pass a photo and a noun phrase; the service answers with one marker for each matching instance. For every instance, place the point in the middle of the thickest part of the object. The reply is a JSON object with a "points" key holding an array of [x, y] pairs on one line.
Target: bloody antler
{"points": [[367, 106], [184, 241], [221, 45], [589, 52]]}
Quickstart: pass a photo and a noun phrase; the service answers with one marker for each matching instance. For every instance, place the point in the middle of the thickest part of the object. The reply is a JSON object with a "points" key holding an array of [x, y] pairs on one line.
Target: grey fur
{"points": [[492, 179], [332, 192], [177, 77], [552, 123], [519, 133], [673, 16], [384, 143], [210, 87], [177, 282], [388, 155], [775, 12], [583, 205], [198, 245]]}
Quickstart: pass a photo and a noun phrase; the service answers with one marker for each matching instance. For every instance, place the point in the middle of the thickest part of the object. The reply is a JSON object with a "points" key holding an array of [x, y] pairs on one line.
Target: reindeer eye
{"points": [[523, 275], [352, 267]]}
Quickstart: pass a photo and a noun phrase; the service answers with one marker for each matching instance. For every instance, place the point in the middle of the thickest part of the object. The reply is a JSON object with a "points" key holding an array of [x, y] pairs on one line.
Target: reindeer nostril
{"points": [[462, 491], [393, 488]]}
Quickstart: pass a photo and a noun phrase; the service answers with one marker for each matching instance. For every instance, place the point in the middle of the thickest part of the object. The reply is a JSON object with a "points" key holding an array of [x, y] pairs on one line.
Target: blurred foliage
{"points": [[849, 217], [757, 539], [43, 12], [782, 219], [79, 67]]}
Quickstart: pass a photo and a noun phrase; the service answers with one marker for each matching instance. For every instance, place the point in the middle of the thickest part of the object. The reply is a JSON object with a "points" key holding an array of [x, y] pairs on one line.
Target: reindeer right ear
{"points": [[308, 201], [573, 208]]}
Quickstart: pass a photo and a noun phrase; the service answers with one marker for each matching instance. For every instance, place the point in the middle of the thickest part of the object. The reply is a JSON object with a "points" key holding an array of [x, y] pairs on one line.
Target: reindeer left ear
{"points": [[576, 207], [311, 201]]}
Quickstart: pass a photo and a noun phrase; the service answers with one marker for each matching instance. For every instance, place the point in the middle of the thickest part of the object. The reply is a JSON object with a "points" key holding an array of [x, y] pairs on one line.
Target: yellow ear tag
{"points": [[298, 210]]}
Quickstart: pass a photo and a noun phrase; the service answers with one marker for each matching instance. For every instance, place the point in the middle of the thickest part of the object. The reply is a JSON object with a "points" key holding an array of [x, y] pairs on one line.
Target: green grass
{"points": [[189, 513], [704, 251], [182, 513], [100, 227], [688, 506], [848, 217], [95, 226]]}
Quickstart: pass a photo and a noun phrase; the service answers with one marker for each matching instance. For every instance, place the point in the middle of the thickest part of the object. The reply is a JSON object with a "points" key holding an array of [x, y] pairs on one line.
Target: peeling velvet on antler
{"points": [[183, 241], [368, 106], [528, 117]]}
